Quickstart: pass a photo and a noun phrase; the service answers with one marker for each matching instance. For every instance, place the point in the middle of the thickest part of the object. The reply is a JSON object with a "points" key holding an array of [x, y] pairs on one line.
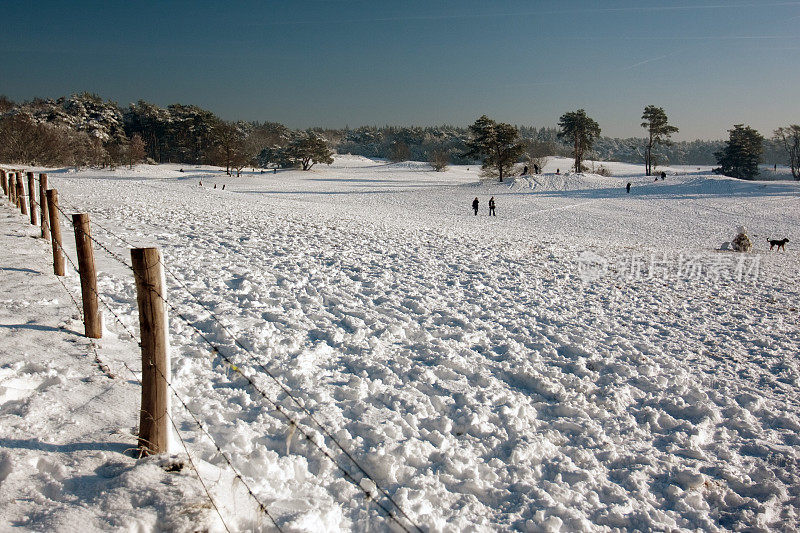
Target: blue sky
{"points": [[340, 62]]}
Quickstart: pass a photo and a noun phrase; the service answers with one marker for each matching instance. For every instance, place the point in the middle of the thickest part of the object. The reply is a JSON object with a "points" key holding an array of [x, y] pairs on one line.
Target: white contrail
{"points": [[531, 13], [646, 61]]}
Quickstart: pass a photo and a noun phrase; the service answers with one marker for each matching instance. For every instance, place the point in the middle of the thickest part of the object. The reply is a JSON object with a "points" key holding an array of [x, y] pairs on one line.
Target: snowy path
{"points": [[463, 360]]}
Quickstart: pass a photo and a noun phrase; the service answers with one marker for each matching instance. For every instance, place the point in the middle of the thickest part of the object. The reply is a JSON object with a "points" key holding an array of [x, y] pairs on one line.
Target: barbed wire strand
{"points": [[104, 368], [133, 337], [288, 393], [292, 422], [199, 424], [389, 513], [185, 448], [71, 296]]}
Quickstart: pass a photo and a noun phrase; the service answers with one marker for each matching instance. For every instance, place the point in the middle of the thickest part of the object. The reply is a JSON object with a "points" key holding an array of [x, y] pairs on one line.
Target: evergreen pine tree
{"points": [[741, 154], [498, 145], [579, 130], [309, 149], [659, 132]]}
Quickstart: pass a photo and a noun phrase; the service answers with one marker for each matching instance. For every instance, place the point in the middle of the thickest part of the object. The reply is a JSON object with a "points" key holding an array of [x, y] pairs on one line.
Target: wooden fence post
{"points": [[23, 207], [3, 181], [43, 216], [155, 344], [32, 196], [55, 232], [12, 188], [92, 320]]}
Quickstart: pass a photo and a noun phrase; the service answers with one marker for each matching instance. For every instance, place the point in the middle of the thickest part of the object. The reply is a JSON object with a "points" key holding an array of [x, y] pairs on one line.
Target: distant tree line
{"points": [[85, 130]]}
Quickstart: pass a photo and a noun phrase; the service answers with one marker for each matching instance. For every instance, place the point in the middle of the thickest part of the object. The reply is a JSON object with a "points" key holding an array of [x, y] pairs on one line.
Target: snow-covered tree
{"points": [[309, 149]]}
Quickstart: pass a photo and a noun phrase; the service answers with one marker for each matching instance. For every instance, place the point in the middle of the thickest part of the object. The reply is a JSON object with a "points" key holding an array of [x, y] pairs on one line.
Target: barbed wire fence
{"points": [[314, 432]]}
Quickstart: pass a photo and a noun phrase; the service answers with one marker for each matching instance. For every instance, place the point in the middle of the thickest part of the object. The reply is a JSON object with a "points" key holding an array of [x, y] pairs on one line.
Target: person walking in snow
{"points": [[475, 203], [491, 207], [628, 187], [663, 175]]}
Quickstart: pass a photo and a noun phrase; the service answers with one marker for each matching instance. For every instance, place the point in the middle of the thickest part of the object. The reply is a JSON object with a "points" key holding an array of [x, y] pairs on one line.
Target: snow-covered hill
{"points": [[586, 360]]}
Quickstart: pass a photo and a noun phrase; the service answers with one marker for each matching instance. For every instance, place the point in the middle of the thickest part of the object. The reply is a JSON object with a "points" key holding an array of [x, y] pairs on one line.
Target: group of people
{"points": [[476, 203], [536, 170], [663, 176]]}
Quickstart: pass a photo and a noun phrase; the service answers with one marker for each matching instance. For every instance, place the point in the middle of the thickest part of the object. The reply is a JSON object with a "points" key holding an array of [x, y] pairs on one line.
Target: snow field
{"points": [[463, 360]]}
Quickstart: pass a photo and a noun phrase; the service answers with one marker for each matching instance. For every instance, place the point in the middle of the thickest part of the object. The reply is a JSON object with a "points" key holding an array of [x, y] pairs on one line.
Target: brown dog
{"points": [[780, 244]]}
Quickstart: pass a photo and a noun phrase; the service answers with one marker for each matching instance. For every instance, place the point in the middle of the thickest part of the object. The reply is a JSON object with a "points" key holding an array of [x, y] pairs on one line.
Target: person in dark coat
{"points": [[525, 171], [475, 203], [663, 175], [491, 207], [628, 187]]}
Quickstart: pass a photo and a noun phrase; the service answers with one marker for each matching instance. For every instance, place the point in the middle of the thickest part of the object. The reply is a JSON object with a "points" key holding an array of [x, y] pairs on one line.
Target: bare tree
{"points": [[246, 153], [96, 155], [399, 151], [136, 150], [789, 137], [537, 152], [229, 147], [439, 158]]}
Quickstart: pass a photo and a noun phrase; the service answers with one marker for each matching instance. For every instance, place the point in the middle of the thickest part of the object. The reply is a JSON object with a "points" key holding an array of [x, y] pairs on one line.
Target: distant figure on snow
{"points": [[525, 171], [491, 207], [201, 183], [475, 203], [663, 175], [558, 171], [223, 186], [274, 170], [628, 188], [181, 170], [215, 185], [536, 168], [775, 167]]}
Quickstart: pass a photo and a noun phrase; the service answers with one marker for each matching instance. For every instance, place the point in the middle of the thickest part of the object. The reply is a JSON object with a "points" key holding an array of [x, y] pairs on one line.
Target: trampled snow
{"points": [[586, 360]]}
